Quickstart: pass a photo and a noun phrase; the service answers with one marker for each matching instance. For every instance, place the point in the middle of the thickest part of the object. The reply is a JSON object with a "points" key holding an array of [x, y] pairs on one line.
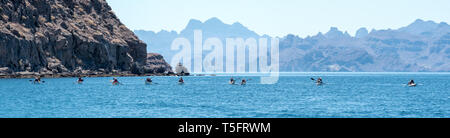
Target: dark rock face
{"points": [[156, 64], [66, 36]]}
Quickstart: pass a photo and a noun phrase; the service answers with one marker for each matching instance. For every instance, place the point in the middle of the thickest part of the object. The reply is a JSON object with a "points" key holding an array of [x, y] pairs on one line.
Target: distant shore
{"points": [[69, 75]]}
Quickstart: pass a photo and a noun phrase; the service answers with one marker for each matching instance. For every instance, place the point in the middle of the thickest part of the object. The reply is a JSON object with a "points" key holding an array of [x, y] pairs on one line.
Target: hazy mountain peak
{"points": [[165, 32], [421, 22], [334, 29], [362, 32], [194, 23], [443, 24], [237, 25], [419, 26], [210, 24], [214, 20], [418, 21], [266, 36], [290, 36], [334, 33], [318, 36], [144, 31]]}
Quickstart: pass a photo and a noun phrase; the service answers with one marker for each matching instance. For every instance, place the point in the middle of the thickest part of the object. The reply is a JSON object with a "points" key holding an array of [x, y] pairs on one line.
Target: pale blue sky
{"points": [[281, 17]]}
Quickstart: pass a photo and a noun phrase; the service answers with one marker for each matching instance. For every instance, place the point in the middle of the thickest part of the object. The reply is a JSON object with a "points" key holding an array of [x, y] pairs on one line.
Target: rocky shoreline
{"points": [[19, 75], [155, 66]]}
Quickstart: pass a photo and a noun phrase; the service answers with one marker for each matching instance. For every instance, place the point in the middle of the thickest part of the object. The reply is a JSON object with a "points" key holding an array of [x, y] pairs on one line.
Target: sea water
{"points": [[344, 95]]}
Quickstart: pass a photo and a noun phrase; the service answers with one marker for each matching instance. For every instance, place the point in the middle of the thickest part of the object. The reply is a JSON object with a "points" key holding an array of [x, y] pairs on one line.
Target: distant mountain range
{"points": [[161, 41], [420, 46]]}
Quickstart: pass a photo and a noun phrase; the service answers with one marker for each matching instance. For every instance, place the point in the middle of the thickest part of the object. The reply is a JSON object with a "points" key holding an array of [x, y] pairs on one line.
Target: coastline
{"points": [[20, 75]]}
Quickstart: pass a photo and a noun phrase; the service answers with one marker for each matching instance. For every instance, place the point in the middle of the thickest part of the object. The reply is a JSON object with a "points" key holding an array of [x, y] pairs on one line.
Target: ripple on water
{"points": [[343, 95]]}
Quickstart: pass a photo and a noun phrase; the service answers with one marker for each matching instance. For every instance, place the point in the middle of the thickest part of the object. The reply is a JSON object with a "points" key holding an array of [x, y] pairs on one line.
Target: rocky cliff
{"points": [[71, 37], [156, 64]]}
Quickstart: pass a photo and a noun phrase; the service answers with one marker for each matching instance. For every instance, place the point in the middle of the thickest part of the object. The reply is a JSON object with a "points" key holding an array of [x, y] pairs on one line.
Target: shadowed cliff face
{"points": [[155, 63], [57, 36]]}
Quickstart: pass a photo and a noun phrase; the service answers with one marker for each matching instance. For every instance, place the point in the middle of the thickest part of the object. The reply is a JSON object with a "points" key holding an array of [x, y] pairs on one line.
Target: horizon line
{"points": [[311, 35]]}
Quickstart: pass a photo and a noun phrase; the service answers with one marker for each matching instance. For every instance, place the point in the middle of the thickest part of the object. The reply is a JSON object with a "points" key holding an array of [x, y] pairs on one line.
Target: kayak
{"points": [[412, 85], [38, 82], [319, 83]]}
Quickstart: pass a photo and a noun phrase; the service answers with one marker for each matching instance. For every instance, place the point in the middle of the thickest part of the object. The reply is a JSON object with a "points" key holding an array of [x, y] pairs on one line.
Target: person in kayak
{"points": [[115, 81], [411, 82], [37, 79], [148, 80], [181, 80], [232, 81], [243, 82], [319, 81], [80, 80]]}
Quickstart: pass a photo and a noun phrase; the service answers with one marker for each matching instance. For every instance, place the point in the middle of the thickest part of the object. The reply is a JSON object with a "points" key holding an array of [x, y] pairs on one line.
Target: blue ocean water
{"points": [[345, 95]]}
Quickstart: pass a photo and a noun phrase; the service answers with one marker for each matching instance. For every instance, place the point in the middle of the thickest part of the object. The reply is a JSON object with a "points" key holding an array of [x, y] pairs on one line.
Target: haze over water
{"points": [[348, 95]]}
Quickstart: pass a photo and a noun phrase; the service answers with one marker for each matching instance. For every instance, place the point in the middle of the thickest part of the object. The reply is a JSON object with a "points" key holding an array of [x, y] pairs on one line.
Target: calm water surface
{"points": [[347, 95]]}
